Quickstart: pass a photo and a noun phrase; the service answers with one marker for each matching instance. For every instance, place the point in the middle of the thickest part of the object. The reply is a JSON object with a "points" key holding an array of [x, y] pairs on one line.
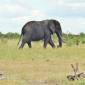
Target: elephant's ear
{"points": [[51, 27]]}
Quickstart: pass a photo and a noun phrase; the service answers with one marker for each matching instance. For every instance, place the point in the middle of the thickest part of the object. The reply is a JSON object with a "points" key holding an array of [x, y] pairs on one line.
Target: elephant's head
{"points": [[54, 27], [51, 27]]}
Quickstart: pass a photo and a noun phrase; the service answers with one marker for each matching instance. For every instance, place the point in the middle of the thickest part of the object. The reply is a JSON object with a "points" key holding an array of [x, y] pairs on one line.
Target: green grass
{"points": [[39, 64]]}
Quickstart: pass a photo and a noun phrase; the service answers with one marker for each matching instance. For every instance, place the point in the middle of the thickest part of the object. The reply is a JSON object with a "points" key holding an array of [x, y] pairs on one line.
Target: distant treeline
{"points": [[9, 35], [68, 36], [69, 39]]}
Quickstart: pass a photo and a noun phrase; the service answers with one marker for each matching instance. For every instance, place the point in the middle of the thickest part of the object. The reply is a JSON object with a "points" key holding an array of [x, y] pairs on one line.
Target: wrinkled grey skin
{"points": [[41, 30]]}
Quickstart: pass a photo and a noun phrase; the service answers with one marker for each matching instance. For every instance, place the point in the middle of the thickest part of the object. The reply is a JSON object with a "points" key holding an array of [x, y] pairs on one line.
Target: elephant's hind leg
{"points": [[29, 44], [22, 45]]}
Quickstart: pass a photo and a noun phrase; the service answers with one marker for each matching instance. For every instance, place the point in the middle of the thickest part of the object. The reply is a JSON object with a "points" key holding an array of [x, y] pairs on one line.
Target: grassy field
{"points": [[39, 66]]}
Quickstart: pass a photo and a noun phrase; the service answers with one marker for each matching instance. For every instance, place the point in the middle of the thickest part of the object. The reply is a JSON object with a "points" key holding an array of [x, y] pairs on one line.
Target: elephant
{"points": [[41, 30]]}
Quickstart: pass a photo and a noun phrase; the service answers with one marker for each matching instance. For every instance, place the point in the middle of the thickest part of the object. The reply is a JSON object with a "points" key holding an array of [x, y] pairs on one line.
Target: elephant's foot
{"points": [[53, 46], [59, 46]]}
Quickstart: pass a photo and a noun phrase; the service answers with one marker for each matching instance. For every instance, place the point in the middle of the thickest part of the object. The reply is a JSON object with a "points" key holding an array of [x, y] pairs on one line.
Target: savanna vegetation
{"points": [[39, 66]]}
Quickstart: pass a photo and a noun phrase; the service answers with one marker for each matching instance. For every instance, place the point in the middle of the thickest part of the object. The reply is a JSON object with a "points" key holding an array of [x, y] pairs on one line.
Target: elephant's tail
{"points": [[19, 39], [22, 33]]}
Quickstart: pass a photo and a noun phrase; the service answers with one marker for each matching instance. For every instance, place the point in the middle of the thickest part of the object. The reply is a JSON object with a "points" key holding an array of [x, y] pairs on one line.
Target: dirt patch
{"points": [[32, 82]]}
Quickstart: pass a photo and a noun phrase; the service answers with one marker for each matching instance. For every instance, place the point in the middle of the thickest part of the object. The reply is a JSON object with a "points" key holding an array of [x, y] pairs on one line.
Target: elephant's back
{"points": [[35, 29]]}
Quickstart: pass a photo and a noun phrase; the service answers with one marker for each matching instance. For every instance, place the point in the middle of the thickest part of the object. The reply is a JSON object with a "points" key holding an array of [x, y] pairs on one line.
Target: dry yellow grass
{"points": [[19, 67]]}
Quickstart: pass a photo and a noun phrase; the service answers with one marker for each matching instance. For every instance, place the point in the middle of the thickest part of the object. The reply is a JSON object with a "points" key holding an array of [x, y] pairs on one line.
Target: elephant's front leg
{"points": [[51, 43], [59, 40]]}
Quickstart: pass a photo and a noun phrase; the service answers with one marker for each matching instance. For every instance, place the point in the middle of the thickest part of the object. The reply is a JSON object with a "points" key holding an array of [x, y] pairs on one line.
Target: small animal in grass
{"points": [[77, 75]]}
